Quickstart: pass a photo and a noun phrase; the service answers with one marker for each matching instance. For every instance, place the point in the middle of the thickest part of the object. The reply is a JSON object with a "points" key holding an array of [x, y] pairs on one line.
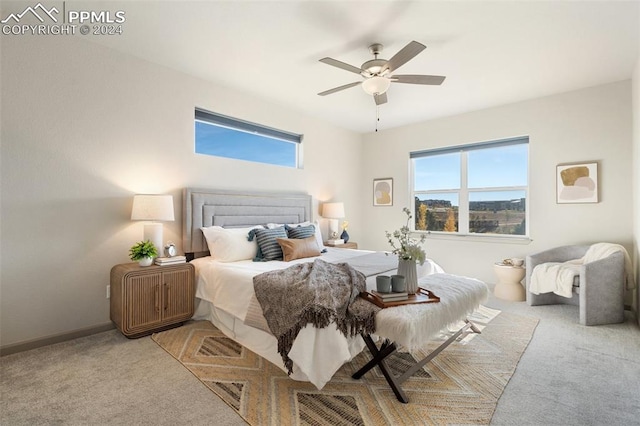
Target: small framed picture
{"points": [[577, 183], [383, 192]]}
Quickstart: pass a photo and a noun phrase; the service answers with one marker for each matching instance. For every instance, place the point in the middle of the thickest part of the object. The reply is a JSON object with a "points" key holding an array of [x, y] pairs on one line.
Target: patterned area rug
{"points": [[460, 386]]}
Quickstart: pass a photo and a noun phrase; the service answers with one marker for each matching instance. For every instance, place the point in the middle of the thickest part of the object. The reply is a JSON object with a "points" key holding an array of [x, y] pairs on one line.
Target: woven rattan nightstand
{"points": [[151, 298]]}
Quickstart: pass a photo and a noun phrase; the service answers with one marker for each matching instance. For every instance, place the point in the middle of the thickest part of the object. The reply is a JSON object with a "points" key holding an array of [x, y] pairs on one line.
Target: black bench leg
{"points": [[378, 359]]}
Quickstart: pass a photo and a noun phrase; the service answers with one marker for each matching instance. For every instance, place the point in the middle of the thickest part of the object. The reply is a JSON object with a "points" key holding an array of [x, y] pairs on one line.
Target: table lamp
{"points": [[153, 208], [333, 212]]}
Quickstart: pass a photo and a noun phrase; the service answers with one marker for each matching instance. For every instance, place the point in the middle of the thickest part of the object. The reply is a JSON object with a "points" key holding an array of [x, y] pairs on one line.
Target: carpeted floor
{"points": [[569, 375], [462, 385]]}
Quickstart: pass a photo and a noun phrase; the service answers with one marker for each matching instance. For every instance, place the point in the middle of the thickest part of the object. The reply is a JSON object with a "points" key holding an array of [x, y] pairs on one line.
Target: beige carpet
{"points": [[460, 386]]}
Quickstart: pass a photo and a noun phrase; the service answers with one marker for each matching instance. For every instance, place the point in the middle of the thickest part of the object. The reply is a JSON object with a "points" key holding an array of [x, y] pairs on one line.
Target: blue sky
{"points": [[223, 142], [493, 167]]}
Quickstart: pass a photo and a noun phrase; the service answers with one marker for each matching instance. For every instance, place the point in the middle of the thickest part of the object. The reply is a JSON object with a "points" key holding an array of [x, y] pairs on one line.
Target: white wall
{"points": [[636, 181], [587, 125], [83, 129]]}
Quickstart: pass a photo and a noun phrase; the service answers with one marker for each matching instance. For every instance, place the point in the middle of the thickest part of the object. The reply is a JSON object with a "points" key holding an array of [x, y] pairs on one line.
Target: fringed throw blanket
{"points": [[317, 293]]}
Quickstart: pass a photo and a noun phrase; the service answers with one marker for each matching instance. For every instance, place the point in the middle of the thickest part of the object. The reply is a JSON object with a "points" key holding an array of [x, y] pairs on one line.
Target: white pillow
{"points": [[319, 235], [315, 223], [230, 244]]}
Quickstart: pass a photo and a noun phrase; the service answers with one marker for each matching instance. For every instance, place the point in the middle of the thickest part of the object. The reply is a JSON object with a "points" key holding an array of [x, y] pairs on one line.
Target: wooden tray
{"points": [[422, 296]]}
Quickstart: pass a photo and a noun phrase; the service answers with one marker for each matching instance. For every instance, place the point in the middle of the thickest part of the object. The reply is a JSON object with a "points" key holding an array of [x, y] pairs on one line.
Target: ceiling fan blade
{"points": [[380, 99], [418, 79], [341, 65], [404, 55], [337, 89]]}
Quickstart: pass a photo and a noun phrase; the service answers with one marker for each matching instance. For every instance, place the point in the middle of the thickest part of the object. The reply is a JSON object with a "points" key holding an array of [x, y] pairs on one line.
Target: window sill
{"points": [[501, 239]]}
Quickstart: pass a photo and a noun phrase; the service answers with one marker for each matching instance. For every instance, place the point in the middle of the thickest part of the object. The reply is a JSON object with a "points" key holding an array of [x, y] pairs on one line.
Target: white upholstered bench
{"points": [[410, 327]]}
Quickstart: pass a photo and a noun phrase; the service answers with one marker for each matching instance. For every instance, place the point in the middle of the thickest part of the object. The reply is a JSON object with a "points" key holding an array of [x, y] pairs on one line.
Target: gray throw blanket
{"points": [[317, 293]]}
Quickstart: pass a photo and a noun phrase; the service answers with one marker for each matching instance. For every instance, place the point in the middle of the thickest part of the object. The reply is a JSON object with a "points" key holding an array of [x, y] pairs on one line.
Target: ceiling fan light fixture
{"points": [[376, 85]]}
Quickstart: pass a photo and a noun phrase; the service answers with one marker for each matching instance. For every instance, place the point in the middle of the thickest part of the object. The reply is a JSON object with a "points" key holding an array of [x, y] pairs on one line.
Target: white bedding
{"points": [[227, 289]]}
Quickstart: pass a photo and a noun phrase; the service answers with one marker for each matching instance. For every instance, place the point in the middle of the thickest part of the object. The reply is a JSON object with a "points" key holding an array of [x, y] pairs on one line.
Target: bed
{"points": [[225, 288]]}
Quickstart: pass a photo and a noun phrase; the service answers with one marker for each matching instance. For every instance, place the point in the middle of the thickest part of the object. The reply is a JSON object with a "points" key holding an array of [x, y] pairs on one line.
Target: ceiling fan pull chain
{"points": [[377, 116]]}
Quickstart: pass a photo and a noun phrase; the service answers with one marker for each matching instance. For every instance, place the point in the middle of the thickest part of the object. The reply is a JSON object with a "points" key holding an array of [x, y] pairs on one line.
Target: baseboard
{"points": [[57, 338]]}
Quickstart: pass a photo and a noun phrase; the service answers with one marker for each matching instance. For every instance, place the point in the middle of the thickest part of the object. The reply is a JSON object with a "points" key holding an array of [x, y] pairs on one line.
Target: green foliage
{"points": [[403, 245], [142, 249]]}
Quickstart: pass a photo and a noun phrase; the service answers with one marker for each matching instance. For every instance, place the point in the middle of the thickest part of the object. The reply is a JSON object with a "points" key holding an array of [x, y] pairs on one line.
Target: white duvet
{"points": [[317, 353]]}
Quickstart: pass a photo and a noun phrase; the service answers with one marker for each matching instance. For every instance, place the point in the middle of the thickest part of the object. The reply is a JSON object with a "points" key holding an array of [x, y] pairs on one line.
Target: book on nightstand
{"points": [[170, 260], [334, 242], [391, 297]]}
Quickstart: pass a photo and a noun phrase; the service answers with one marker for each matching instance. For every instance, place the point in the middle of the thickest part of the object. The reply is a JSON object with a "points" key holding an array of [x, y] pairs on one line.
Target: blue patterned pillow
{"points": [[268, 247], [300, 232]]}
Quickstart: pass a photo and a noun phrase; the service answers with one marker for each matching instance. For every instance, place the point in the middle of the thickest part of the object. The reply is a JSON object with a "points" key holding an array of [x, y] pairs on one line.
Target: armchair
{"points": [[598, 290]]}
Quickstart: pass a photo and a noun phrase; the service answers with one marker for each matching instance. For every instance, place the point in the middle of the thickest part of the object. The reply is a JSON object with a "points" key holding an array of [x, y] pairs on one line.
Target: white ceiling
{"points": [[492, 53]]}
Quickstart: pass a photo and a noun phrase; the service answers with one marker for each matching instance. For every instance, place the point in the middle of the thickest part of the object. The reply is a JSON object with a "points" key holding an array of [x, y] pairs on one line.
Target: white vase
{"points": [[409, 270], [145, 261]]}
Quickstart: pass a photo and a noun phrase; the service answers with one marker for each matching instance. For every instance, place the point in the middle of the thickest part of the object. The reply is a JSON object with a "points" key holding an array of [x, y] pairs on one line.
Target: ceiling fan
{"points": [[378, 73]]}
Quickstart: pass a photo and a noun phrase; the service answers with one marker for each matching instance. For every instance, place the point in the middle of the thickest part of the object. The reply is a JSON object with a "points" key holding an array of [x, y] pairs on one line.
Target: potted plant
{"points": [[409, 251], [143, 252]]}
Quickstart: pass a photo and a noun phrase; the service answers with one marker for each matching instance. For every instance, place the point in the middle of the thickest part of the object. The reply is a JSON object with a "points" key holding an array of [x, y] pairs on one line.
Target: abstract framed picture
{"points": [[383, 192], [577, 183]]}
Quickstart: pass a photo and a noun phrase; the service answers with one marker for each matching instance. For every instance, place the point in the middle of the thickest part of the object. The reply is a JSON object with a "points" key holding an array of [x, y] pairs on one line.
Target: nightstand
{"points": [[509, 286], [349, 245], [151, 298]]}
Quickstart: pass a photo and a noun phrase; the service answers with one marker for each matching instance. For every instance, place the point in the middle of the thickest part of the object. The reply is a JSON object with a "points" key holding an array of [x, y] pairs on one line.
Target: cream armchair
{"points": [[598, 290]]}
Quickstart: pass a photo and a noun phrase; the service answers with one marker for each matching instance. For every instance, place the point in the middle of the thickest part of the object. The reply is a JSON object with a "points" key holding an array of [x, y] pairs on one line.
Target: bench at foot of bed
{"points": [[388, 347], [412, 326]]}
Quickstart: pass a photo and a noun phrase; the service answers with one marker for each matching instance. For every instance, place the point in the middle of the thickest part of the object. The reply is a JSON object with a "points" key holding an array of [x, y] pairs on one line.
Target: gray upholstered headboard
{"points": [[207, 207]]}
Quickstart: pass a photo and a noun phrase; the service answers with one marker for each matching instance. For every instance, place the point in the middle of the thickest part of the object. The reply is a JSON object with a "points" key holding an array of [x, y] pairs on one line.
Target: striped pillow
{"points": [[306, 231], [300, 232], [268, 247]]}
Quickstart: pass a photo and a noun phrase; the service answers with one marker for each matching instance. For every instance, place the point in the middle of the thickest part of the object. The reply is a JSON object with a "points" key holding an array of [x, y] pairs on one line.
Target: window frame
{"points": [[243, 126], [464, 191]]}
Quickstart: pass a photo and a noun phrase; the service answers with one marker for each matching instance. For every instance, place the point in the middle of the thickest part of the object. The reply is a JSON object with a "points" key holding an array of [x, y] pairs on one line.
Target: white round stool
{"points": [[508, 286]]}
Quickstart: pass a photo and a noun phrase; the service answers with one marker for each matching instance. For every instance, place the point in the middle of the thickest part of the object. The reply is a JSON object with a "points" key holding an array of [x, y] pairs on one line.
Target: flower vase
{"points": [[146, 261], [409, 270], [344, 236]]}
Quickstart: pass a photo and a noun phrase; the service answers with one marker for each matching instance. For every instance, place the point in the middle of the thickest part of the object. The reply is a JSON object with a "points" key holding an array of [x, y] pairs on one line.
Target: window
{"points": [[472, 189], [229, 137]]}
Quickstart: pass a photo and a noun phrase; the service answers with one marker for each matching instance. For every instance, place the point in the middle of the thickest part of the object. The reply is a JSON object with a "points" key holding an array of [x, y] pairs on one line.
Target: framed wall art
{"points": [[383, 192], [577, 183]]}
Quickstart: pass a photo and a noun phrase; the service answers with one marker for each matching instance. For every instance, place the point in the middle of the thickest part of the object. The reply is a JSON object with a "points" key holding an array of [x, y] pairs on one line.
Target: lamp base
{"points": [[333, 229], [153, 233]]}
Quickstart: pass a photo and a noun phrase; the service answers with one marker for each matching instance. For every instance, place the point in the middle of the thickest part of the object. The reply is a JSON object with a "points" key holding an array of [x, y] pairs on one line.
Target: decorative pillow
{"points": [[292, 225], [229, 244], [268, 247], [318, 233], [298, 248], [301, 231]]}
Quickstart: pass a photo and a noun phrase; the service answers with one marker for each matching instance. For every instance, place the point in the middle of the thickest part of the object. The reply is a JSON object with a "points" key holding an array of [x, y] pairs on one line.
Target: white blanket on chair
{"points": [[554, 277]]}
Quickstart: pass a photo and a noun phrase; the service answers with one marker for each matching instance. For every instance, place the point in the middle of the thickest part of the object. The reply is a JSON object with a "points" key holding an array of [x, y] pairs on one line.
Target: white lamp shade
{"points": [[333, 210], [376, 85], [152, 207]]}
